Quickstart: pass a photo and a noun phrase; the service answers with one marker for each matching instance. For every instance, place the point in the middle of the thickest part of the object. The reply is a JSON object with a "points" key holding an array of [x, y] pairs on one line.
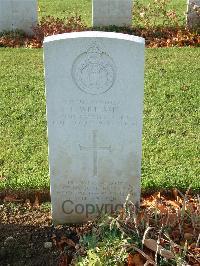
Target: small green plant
{"points": [[137, 235], [105, 245], [46, 206]]}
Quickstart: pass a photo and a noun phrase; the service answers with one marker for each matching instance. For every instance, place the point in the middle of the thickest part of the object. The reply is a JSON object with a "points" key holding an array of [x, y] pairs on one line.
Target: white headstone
{"points": [[18, 14], [112, 12], [94, 91], [193, 14]]}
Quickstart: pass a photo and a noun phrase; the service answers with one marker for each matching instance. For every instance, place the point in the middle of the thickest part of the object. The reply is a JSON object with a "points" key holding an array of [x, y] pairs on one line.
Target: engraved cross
{"points": [[95, 150]]}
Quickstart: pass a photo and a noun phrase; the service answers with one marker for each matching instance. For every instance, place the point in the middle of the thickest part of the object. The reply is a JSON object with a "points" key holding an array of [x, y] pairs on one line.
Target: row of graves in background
{"points": [[23, 14], [18, 14], [119, 13]]}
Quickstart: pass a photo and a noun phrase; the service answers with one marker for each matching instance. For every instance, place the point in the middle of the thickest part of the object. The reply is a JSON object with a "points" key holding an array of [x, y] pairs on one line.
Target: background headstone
{"points": [[112, 12], [94, 91], [18, 14], [193, 14]]}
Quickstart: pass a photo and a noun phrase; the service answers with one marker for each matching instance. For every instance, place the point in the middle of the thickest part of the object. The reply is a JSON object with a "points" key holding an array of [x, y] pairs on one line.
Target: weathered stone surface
{"points": [[18, 14], [193, 14], [112, 12], [94, 91]]}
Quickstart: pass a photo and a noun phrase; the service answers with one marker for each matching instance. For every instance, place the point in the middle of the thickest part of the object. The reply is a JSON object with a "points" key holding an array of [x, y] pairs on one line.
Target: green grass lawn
{"points": [[65, 8], [171, 119]]}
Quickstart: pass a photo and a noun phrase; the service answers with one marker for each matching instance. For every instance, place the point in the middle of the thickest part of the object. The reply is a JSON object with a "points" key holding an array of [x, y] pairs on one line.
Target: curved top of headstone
{"points": [[94, 34]]}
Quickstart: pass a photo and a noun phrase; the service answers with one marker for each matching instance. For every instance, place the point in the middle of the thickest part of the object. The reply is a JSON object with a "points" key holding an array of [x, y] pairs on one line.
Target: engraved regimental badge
{"points": [[94, 71]]}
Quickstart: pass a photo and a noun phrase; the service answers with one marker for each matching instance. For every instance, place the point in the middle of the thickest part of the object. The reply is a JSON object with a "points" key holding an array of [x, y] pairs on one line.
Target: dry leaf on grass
{"points": [[12, 198], [135, 260], [147, 257], [62, 260], [152, 244], [174, 204], [36, 203]]}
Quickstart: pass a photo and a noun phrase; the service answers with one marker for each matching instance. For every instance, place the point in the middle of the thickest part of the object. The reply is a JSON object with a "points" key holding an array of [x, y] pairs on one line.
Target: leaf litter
{"points": [[163, 230], [157, 36]]}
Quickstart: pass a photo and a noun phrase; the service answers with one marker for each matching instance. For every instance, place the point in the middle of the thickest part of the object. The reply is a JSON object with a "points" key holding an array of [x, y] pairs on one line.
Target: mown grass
{"points": [[65, 8], [171, 121], [23, 143]]}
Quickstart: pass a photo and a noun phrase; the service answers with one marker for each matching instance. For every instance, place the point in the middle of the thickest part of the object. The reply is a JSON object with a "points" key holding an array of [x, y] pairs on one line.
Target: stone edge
{"points": [[94, 34]]}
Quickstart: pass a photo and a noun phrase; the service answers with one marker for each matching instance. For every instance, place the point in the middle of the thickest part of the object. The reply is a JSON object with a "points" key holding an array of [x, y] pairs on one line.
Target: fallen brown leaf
{"points": [[63, 260], [11, 198], [152, 244], [135, 260]]}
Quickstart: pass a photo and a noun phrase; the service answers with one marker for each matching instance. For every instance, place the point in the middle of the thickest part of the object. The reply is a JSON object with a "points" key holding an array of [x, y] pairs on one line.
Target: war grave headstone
{"points": [[112, 12], [193, 14], [18, 14], [94, 92]]}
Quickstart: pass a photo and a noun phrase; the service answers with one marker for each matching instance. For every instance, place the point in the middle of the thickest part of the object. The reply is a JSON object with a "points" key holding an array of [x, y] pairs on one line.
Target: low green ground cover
{"points": [[63, 8], [171, 121]]}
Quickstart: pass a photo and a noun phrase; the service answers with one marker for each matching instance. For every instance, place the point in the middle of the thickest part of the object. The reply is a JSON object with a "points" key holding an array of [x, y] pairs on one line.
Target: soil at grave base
{"points": [[25, 229]]}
